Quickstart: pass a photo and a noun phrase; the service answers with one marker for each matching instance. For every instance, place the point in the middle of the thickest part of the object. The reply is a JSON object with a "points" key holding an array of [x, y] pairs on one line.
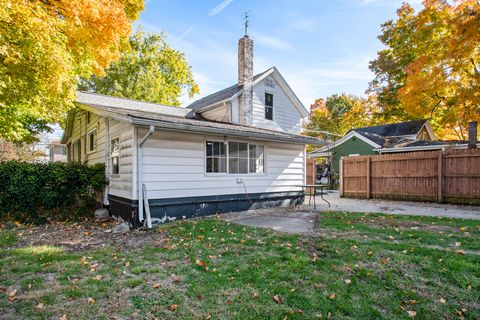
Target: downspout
{"points": [[140, 177], [107, 160]]}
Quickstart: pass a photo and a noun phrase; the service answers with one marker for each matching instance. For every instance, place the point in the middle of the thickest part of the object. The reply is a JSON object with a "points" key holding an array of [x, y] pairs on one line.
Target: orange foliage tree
{"points": [[45, 46]]}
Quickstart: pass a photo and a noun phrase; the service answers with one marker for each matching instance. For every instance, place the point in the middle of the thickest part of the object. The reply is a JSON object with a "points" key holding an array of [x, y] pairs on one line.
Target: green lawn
{"points": [[359, 267]]}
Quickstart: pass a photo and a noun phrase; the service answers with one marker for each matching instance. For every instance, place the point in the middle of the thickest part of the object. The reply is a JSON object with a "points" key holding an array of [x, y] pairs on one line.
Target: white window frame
{"points": [[228, 174], [265, 105], [93, 131], [111, 156]]}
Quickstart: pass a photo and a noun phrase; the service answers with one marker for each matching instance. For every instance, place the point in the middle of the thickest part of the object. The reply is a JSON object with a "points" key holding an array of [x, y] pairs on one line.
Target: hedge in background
{"points": [[35, 192]]}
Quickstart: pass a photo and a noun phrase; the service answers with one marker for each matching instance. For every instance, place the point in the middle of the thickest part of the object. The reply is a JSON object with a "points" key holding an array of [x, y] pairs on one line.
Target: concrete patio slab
{"points": [[280, 219]]}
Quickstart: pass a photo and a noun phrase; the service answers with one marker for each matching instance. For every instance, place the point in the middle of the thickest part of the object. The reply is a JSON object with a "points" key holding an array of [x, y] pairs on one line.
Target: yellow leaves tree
{"points": [[339, 113], [45, 46], [431, 67]]}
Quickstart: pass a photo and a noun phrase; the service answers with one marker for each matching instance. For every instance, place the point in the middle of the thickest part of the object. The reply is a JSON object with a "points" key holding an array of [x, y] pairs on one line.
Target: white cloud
{"points": [[219, 8], [271, 42]]}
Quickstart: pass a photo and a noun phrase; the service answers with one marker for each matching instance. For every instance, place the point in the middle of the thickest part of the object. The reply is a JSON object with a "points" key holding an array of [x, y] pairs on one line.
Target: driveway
{"points": [[304, 219], [394, 207]]}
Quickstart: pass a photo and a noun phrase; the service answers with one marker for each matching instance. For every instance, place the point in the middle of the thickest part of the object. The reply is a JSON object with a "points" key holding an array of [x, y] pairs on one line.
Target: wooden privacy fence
{"points": [[448, 176]]}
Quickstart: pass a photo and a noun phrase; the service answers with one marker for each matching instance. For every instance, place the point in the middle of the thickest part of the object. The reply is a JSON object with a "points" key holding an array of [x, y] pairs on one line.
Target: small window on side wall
{"points": [[268, 106], [114, 155], [92, 141]]}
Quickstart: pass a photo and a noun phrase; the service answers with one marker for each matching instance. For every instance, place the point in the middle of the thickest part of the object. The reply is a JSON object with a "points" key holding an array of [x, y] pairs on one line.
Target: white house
{"points": [[236, 149]]}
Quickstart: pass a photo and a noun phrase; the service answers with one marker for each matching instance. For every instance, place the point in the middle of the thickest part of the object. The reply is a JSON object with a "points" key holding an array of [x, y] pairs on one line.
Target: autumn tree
{"points": [[431, 66], [150, 71], [339, 113], [45, 46]]}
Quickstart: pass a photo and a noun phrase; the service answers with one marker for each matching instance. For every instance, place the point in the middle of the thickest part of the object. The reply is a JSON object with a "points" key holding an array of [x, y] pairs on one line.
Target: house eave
{"points": [[169, 126]]}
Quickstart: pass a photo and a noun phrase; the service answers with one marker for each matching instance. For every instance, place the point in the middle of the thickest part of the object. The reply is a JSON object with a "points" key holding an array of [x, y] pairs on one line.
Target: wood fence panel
{"points": [[453, 176]]}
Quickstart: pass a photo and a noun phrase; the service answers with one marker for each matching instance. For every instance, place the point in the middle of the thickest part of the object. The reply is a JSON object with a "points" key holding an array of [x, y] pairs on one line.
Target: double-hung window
{"points": [[268, 106], [216, 157], [114, 155], [234, 157], [92, 141]]}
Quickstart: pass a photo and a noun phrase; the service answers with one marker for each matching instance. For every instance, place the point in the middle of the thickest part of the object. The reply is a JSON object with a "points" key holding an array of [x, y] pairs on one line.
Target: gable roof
{"points": [[394, 129], [221, 95], [381, 136], [232, 91], [172, 118]]}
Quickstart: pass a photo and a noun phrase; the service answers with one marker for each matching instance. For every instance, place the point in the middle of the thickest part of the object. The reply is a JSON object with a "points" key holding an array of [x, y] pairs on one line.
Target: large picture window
{"points": [[234, 157], [216, 157]]}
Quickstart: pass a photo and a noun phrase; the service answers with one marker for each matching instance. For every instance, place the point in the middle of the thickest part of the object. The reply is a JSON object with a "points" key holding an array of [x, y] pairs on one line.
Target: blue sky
{"points": [[321, 47]]}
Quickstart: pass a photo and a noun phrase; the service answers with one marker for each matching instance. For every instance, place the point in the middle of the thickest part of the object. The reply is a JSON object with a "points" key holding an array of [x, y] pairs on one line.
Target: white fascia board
{"points": [[345, 138], [423, 148], [286, 89]]}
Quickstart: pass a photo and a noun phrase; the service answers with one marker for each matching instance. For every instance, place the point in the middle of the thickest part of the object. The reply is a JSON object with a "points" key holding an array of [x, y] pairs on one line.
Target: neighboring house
{"points": [[57, 152], [375, 139], [236, 149]]}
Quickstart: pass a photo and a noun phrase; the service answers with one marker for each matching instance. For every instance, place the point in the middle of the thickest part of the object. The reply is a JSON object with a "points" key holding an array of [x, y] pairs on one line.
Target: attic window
{"points": [[268, 106]]}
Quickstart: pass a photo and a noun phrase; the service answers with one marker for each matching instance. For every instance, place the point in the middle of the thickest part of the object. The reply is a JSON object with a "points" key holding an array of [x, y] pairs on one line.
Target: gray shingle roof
{"points": [[220, 95], [181, 119], [394, 129], [129, 104]]}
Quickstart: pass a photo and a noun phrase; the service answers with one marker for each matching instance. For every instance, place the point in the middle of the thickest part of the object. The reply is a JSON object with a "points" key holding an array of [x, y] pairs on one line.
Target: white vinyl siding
{"points": [[286, 116], [174, 166], [121, 185]]}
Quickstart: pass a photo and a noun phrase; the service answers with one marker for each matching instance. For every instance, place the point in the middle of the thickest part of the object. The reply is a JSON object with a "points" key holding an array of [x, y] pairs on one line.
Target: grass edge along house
{"points": [[233, 150]]}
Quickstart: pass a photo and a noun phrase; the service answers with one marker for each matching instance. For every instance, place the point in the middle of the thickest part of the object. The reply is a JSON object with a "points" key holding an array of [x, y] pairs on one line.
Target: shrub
{"points": [[35, 192]]}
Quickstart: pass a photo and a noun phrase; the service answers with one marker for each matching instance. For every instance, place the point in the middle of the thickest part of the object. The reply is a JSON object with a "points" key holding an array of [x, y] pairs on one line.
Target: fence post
{"points": [[341, 177], [369, 179], [440, 177]]}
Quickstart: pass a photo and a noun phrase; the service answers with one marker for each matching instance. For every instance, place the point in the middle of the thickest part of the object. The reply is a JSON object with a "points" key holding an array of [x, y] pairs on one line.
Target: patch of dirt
{"points": [[86, 235]]}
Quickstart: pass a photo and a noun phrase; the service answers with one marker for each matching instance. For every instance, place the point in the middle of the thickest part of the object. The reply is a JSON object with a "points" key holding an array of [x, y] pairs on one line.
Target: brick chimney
{"points": [[245, 78], [472, 135]]}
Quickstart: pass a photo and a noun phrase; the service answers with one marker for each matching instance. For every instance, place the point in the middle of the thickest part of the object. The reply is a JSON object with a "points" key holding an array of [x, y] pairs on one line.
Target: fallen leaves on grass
{"points": [[277, 299], [411, 313], [460, 252], [12, 296], [173, 307], [442, 300], [40, 306], [348, 281], [332, 296], [156, 285], [176, 278], [90, 301]]}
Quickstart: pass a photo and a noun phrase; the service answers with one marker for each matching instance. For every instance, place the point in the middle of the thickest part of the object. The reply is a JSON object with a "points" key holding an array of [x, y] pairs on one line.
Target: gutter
{"points": [[226, 132], [420, 148], [140, 178]]}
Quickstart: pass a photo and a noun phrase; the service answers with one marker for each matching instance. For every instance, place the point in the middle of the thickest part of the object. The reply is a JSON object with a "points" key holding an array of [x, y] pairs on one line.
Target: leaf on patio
{"points": [[277, 299]]}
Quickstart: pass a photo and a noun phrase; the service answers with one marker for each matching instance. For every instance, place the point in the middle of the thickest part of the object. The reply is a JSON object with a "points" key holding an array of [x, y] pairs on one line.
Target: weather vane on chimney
{"points": [[245, 22]]}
